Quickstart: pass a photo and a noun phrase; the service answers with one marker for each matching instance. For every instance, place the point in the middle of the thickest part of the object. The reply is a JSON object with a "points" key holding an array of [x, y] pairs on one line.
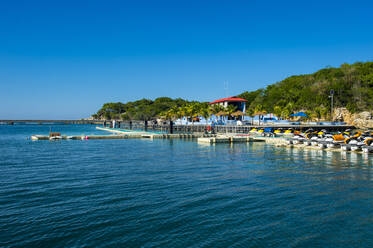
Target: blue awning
{"points": [[300, 114]]}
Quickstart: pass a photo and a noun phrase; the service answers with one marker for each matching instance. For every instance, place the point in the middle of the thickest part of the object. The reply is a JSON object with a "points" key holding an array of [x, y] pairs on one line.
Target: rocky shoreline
{"points": [[362, 120]]}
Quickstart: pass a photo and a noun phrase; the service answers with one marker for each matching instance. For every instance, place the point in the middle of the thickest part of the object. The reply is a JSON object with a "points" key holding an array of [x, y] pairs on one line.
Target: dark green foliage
{"points": [[352, 84], [143, 109], [250, 96]]}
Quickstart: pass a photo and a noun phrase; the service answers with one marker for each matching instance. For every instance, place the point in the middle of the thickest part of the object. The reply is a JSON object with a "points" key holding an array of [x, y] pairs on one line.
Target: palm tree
{"points": [[309, 114], [191, 110], [324, 111], [182, 112], [277, 111], [173, 113], [285, 113], [259, 110], [204, 111], [216, 108], [230, 109], [250, 113], [290, 108]]}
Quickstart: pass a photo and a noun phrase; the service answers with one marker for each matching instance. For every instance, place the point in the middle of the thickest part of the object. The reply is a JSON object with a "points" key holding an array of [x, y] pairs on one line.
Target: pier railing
{"points": [[137, 125], [165, 127]]}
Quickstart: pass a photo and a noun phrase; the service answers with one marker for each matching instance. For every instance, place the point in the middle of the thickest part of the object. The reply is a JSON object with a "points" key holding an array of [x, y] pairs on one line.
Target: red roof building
{"points": [[235, 101], [229, 99]]}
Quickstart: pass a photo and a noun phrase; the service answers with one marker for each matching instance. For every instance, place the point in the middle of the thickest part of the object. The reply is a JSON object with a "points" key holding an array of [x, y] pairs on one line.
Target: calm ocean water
{"points": [[174, 193]]}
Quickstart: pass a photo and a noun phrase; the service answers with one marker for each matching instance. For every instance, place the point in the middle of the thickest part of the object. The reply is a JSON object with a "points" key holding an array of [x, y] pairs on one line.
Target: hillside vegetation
{"points": [[352, 85], [144, 109]]}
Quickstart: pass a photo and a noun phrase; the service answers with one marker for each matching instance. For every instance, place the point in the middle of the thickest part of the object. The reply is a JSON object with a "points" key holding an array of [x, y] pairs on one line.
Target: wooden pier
{"points": [[244, 129], [49, 122], [166, 127]]}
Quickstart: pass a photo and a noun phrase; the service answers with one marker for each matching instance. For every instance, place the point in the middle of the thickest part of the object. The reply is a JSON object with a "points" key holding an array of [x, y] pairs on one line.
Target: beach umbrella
{"points": [[260, 113], [221, 113], [238, 113]]}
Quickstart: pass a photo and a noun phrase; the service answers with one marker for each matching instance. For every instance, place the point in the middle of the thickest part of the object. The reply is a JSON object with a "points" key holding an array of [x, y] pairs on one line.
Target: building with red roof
{"points": [[235, 101]]}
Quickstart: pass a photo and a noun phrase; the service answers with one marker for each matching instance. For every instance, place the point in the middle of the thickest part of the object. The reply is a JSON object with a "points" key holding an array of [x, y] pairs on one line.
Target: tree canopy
{"points": [[352, 85], [143, 109]]}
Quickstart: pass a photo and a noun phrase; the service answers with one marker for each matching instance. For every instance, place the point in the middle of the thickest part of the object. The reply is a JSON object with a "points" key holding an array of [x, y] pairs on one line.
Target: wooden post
{"points": [[171, 127], [146, 126]]}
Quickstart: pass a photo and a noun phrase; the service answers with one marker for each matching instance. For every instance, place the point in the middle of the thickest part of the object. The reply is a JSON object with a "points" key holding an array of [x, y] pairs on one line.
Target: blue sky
{"points": [[64, 59]]}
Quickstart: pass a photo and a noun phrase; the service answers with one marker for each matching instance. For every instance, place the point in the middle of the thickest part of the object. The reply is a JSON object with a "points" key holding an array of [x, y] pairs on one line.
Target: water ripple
{"points": [[171, 193]]}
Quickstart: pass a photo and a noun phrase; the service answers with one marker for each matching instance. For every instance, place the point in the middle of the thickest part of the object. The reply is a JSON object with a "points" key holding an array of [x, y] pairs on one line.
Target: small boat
{"points": [[322, 145], [298, 139], [37, 137], [308, 135], [367, 149], [54, 135], [345, 147], [317, 138], [357, 141], [369, 141], [304, 138], [55, 138], [334, 141], [261, 130], [368, 144], [322, 132], [278, 131], [289, 131]]}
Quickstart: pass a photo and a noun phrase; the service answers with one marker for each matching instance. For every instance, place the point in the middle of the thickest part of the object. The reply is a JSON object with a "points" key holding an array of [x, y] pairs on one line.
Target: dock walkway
{"points": [[201, 138]]}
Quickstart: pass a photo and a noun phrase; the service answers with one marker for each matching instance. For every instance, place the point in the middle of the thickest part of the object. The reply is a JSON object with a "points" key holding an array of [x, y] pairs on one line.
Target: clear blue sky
{"points": [[64, 59]]}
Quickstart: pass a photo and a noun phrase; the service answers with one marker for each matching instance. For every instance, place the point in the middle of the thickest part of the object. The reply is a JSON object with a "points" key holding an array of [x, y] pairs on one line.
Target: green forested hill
{"points": [[143, 109], [352, 84]]}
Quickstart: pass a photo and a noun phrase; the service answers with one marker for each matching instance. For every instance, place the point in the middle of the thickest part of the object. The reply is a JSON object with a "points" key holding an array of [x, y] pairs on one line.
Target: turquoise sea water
{"points": [[174, 193]]}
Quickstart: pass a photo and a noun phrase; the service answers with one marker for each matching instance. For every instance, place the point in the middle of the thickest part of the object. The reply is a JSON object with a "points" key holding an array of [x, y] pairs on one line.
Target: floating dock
{"points": [[82, 137], [201, 138], [120, 134], [228, 139], [132, 136]]}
